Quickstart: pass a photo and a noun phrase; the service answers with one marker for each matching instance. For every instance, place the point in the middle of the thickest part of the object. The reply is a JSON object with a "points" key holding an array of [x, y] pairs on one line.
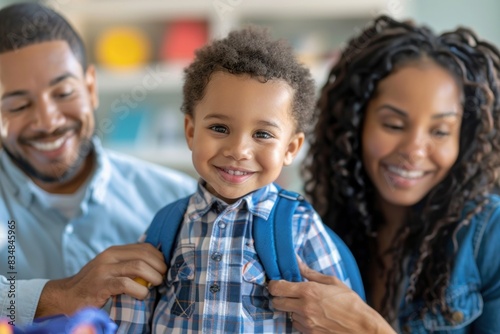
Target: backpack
{"points": [[276, 254]]}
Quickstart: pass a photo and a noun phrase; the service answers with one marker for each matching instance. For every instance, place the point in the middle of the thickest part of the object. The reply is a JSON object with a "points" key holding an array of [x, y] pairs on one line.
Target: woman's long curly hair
{"points": [[339, 187]]}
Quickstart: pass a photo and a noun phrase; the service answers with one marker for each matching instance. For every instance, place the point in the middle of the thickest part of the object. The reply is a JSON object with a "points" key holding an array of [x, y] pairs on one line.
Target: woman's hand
{"points": [[325, 305]]}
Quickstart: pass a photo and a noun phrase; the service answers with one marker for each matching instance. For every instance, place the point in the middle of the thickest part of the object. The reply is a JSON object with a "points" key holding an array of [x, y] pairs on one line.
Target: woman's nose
{"points": [[414, 148]]}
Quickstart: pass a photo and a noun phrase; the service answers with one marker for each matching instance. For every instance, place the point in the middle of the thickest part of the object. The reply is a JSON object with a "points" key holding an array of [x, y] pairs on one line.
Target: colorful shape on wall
{"points": [[123, 47], [182, 38]]}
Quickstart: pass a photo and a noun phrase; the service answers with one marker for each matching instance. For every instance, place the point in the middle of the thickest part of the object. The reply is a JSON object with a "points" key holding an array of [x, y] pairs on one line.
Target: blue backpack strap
{"points": [[263, 236], [285, 245], [277, 254], [165, 226], [350, 265]]}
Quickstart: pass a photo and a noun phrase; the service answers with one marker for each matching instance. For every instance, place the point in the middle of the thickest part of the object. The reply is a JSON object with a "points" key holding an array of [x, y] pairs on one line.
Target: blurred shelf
{"points": [[315, 28], [172, 155], [159, 77], [220, 9]]}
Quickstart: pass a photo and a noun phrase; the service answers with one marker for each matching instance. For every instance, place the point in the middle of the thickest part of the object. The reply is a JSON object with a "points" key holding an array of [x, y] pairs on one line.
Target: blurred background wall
{"points": [[481, 15], [141, 47]]}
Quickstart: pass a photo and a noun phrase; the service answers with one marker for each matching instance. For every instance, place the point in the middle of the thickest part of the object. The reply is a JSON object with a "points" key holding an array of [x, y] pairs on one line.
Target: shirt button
{"points": [[217, 257], [457, 317], [69, 229], [222, 225], [214, 288]]}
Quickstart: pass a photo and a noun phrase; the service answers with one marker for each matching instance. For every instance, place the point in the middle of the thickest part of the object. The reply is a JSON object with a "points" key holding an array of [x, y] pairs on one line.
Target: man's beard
{"points": [[85, 148]]}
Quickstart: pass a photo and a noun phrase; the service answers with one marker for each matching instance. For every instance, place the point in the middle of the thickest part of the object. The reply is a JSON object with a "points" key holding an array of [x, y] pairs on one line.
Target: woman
{"points": [[402, 163]]}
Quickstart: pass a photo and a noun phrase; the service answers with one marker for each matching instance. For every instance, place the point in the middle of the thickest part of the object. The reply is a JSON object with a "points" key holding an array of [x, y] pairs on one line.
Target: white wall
{"points": [[482, 16]]}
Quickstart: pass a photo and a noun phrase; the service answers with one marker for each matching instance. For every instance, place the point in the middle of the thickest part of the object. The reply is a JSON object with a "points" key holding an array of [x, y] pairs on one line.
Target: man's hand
{"points": [[111, 273]]}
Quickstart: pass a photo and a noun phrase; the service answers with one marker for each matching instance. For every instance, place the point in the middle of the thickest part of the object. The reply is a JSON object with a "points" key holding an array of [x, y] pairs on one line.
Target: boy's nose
{"points": [[238, 149]]}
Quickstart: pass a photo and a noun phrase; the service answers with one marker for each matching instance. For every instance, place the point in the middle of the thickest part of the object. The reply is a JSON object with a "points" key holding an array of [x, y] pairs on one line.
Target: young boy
{"points": [[247, 105]]}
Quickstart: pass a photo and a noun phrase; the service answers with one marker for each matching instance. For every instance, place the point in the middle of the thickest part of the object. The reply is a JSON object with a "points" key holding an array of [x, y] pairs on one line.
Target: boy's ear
{"points": [[293, 148], [189, 130]]}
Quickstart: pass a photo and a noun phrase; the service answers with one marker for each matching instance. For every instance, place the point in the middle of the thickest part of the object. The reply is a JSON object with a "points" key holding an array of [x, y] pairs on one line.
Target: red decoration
{"points": [[182, 38]]}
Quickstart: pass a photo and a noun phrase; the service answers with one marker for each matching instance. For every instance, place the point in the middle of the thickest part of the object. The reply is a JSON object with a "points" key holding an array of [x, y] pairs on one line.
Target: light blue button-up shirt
{"points": [[37, 243]]}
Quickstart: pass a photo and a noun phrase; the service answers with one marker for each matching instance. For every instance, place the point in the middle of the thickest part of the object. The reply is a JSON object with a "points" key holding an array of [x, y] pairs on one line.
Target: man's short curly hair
{"points": [[251, 51], [25, 24]]}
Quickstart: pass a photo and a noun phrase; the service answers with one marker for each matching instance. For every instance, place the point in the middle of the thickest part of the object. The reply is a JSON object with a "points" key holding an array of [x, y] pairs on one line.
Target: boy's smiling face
{"points": [[242, 133]]}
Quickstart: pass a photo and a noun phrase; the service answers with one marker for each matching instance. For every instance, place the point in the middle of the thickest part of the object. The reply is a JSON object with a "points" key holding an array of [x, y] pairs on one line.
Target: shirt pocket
{"points": [[181, 281], [466, 305], [255, 297]]}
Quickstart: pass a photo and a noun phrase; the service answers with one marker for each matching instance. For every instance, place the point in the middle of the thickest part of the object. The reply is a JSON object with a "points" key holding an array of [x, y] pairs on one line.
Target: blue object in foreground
{"points": [[88, 321]]}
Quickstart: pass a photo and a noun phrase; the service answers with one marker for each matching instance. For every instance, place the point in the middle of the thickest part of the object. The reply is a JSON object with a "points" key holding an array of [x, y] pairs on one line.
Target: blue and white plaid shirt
{"points": [[215, 282]]}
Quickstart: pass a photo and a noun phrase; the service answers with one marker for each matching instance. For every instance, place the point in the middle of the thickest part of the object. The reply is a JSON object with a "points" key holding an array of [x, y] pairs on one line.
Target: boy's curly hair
{"points": [[339, 187], [251, 51]]}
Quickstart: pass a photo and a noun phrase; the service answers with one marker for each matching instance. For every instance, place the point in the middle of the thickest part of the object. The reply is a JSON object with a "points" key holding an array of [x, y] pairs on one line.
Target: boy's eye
{"points": [[219, 128], [263, 135]]}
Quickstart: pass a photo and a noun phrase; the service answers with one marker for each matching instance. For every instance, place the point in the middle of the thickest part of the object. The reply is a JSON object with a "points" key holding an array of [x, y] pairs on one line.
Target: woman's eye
{"points": [[440, 133], [263, 135], [219, 128], [393, 126]]}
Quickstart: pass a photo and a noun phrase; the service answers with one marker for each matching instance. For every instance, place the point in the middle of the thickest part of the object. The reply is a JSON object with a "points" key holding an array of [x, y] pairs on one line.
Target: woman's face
{"points": [[411, 132]]}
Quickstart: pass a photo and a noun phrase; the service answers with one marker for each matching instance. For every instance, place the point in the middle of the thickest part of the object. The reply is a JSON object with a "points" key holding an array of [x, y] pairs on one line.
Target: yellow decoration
{"points": [[123, 47]]}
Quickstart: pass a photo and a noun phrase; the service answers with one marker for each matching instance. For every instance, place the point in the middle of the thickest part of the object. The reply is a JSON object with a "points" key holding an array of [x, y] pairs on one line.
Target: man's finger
{"points": [[139, 252]]}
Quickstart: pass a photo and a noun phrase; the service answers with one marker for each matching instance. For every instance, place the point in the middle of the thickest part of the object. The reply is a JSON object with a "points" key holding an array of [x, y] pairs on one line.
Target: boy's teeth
{"points": [[406, 173], [48, 146], [235, 172]]}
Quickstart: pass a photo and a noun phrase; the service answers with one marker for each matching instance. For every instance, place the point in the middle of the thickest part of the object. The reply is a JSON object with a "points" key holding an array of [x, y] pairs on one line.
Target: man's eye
{"points": [[65, 94], [19, 108]]}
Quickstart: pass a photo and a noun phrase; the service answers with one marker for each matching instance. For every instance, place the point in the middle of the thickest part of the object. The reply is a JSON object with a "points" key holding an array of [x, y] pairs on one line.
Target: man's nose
{"points": [[47, 116]]}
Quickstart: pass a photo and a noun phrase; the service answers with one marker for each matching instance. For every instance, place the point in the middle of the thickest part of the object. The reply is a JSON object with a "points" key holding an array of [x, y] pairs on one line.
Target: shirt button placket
{"points": [[217, 257], [214, 288]]}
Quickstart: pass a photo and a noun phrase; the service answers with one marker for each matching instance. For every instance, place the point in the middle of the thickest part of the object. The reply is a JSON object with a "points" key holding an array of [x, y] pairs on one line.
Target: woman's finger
{"points": [[314, 276]]}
